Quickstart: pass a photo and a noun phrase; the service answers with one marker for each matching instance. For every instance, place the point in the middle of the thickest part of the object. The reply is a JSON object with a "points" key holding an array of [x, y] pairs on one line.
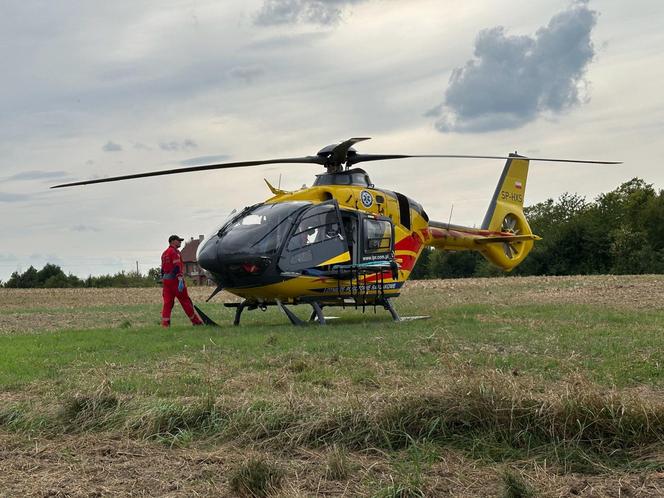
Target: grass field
{"points": [[514, 387]]}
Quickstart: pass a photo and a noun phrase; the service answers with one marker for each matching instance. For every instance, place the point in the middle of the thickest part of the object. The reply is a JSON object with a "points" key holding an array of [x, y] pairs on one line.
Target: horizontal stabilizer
{"points": [[507, 238]]}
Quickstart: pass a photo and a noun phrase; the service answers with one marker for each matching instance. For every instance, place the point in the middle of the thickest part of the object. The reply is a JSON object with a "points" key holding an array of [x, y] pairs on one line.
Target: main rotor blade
{"points": [[206, 167], [359, 158], [340, 152]]}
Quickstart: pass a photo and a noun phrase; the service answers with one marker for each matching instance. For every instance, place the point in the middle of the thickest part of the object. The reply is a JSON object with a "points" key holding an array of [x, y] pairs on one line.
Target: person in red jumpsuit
{"points": [[172, 276]]}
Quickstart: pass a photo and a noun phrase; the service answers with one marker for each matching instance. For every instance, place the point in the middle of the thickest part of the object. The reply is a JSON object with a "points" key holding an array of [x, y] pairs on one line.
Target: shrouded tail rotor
{"points": [[510, 225]]}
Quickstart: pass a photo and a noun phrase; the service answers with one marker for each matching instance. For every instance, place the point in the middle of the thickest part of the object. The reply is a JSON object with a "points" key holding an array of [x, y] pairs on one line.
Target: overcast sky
{"points": [[93, 89]]}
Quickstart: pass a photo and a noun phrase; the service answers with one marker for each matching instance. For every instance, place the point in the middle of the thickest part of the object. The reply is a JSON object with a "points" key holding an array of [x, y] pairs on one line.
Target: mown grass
{"points": [[607, 346], [577, 387]]}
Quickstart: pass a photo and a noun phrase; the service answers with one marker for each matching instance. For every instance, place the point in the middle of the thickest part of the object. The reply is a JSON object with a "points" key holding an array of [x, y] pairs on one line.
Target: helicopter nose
{"points": [[208, 256]]}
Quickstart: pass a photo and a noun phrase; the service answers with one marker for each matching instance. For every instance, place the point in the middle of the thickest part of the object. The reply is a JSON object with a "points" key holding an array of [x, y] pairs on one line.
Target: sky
{"points": [[95, 89]]}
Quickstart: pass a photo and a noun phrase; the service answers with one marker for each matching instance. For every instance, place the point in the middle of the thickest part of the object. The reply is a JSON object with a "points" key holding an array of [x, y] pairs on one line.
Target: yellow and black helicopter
{"points": [[343, 241]]}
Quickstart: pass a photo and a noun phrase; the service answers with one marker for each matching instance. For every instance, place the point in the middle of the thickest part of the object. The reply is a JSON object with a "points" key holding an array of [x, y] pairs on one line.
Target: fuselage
{"points": [[354, 232]]}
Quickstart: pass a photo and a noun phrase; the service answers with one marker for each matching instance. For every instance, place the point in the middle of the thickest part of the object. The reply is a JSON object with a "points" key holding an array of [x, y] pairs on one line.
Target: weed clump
{"points": [[401, 490], [298, 365], [516, 486], [11, 416], [337, 467], [261, 421], [271, 340], [18, 417], [256, 478], [173, 421], [89, 412]]}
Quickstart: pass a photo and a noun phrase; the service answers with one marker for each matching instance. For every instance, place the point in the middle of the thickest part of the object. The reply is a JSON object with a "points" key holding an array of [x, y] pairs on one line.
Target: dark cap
{"points": [[174, 237]]}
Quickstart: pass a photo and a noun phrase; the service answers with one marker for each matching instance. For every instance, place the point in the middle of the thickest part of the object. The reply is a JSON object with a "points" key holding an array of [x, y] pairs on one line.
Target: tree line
{"points": [[620, 232], [52, 276]]}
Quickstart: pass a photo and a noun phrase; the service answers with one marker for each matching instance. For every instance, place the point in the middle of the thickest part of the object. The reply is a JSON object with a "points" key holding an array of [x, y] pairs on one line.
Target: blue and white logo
{"points": [[366, 198]]}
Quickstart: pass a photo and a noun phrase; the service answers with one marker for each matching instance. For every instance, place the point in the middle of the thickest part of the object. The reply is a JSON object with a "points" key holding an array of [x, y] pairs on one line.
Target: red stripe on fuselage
{"points": [[411, 243], [406, 261]]}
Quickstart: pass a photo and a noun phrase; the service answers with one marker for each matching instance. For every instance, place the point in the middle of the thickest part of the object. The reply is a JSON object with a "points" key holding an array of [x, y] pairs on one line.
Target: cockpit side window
{"points": [[259, 229]]}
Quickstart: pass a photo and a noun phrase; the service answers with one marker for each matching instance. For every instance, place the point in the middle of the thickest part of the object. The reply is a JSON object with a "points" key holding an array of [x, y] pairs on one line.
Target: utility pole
{"points": [[137, 269]]}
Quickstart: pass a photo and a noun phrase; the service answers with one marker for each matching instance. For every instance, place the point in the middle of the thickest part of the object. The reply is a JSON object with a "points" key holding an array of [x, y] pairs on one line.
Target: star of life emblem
{"points": [[366, 198]]}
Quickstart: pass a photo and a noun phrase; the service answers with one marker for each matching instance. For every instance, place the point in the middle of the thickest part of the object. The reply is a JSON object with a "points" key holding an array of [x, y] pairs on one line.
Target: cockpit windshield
{"points": [[259, 230]]}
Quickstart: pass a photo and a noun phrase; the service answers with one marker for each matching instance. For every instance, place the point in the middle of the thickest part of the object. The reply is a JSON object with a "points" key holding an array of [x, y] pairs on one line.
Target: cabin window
{"points": [[317, 238], [317, 228], [378, 236]]}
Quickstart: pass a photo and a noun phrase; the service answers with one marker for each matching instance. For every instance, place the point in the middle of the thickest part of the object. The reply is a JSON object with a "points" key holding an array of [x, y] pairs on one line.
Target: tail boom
{"points": [[504, 249]]}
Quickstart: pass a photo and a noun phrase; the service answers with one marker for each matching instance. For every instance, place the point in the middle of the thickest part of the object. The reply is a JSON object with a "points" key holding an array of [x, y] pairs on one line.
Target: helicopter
{"points": [[344, 241]]}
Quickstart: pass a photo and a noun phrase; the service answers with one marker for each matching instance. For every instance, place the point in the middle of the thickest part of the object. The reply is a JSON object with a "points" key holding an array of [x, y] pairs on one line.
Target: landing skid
{"points": [[413, 318], [316, 312]]}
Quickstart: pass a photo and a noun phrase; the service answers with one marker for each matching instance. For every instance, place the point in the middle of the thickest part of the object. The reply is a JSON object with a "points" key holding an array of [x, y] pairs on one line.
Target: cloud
{"points": [[37, 175], [173, 145], [8, 258], [323, 12], [85, 228], [7, 197], [290, 41], [195, 161], [112, 147], [246, 73], [515, 79]]}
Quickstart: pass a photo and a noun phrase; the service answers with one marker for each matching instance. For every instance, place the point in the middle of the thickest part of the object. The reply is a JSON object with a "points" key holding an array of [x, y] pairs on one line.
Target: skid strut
{"points": [[317, 313], [239, 308], [206, 319], [291, 316], [387, 304]]}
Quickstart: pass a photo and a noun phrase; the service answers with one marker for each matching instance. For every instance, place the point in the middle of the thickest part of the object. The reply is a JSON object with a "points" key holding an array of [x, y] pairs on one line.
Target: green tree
{"points": [[12, 283], [633, 254], [653, 221], [56, 281], [446, 264], [49, 271], [28, 279], [624, 205], [154, 274], [421, 268]]}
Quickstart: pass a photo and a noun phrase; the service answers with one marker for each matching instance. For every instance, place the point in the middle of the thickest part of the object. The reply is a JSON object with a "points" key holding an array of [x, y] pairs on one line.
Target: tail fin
{"points": [[505, 215]]}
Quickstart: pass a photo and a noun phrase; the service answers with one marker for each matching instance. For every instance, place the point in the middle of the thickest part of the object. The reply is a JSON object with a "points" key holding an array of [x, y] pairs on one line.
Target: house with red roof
{"points": [[192, 271]]}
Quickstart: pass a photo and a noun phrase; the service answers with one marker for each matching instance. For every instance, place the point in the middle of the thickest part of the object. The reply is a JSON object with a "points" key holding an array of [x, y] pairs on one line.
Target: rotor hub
{"points": [[334, 161]]}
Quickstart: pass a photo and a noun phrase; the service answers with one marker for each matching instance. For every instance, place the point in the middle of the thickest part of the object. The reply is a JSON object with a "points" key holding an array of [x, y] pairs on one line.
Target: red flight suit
{"points": [[171, 273]]}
